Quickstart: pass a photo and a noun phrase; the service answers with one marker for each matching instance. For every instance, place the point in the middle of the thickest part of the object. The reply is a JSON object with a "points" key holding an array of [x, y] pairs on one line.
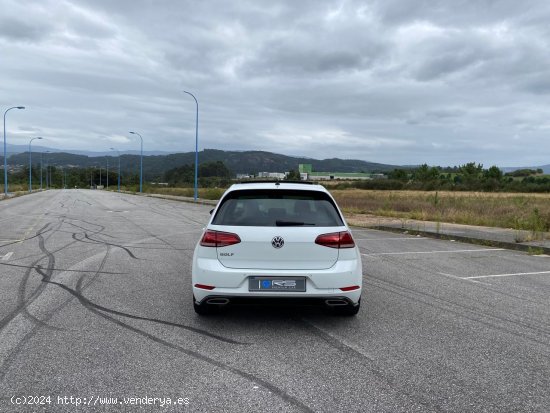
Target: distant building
{"points": [[306, 173], [273, 175]]}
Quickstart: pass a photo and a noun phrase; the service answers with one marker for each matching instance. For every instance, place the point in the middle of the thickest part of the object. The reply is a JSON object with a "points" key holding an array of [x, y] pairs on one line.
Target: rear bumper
{"points": [[312, 295], [330, 301], [233, 283]]}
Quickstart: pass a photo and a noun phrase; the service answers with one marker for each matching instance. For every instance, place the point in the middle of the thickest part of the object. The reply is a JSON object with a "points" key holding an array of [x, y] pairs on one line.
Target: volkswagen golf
{"points": [[277, 243]]}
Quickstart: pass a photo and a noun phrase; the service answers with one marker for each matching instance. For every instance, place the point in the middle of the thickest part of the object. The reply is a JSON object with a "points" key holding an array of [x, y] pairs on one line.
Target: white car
{"points": [[277, 242]]}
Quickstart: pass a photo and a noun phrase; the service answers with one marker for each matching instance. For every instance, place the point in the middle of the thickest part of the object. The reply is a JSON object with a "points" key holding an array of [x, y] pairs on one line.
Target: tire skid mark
{"points": [[40, 322], [101, 227], [173, 247], [170, 214], [408, 266], [412, 297], [13, 354], [271, 387], [22, 302], [130, 253], [248, 376], [345, 348], [148, 232], [32, 267], [91, 305], [155, 207], [24, 239]]}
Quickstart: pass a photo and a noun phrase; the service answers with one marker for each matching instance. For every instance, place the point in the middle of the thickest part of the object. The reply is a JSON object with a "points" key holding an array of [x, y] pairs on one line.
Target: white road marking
{"points": [[507, 275], [434, 252], [7, 256], [462, 278]]}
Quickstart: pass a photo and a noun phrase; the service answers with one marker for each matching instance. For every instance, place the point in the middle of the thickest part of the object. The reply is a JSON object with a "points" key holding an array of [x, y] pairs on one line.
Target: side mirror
{"points": [[212, 210]]}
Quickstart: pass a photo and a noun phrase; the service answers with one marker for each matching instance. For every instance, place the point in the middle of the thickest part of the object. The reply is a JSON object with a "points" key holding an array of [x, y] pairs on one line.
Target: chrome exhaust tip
{"points": [[218, 301], [336, 303]]}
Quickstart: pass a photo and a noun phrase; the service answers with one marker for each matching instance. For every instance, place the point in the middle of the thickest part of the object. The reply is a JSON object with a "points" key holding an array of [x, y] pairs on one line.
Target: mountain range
{"points": [[154, 166], [155, 163]]}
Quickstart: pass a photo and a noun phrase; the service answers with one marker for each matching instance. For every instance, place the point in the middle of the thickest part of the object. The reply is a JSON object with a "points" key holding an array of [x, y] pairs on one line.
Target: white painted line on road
{"points": [[7, 256], [434, 252], [456, 277], [507, 275]]}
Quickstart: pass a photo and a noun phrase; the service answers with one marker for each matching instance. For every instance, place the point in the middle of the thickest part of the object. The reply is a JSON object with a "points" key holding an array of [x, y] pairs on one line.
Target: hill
{"points": [[154, 166], [545, 168]]}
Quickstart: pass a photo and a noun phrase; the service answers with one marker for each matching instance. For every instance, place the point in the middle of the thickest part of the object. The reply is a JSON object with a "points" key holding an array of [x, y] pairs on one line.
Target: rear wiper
{"points": [[290, 223]]}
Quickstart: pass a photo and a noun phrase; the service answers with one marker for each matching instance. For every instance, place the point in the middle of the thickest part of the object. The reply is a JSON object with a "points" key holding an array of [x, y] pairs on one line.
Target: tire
{"points": [[348, 310]]}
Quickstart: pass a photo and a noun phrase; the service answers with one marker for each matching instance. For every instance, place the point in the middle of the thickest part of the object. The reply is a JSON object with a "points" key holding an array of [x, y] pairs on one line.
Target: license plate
{"points": [[277, 284]]}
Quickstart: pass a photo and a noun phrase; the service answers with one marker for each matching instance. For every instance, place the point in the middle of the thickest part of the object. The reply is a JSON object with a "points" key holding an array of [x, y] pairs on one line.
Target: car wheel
{"points": [[348, 310]]}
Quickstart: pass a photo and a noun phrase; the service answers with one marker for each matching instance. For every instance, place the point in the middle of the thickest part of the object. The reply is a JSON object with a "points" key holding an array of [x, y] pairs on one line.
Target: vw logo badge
{"points": [[278, 242]]}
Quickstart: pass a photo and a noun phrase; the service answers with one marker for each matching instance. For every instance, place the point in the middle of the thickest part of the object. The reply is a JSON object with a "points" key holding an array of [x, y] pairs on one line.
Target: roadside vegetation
{"points": [[467, 177], [466, 194], [521, 211]]}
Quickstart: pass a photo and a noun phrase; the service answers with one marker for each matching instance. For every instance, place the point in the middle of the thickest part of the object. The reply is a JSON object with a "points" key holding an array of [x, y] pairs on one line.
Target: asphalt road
{"points": [[95, 303]]}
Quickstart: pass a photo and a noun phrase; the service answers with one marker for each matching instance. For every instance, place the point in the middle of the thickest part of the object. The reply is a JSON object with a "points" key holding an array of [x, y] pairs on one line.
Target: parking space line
{"points": [[507, 275], [433, 252], [456, 277], [7, 256]]}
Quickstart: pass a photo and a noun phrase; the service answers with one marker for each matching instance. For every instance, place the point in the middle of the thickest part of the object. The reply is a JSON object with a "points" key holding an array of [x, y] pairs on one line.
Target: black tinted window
{"points": [[269, 208]]}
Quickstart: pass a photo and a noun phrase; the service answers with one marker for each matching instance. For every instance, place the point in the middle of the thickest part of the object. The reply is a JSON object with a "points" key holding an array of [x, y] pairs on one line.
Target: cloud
{"points": [[388, 81]]}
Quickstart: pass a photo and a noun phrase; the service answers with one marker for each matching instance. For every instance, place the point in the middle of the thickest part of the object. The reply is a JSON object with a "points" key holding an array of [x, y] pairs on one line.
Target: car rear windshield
{"points": [[278, 207]]}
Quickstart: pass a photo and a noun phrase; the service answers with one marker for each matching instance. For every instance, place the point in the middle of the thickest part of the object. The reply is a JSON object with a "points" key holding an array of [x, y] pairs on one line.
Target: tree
{"points": [[426, 174], [399, 175], [493, 173], [471, 174], [293, 175]]}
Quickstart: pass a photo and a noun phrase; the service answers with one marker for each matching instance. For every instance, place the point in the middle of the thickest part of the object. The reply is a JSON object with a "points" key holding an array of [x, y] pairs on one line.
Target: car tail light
{"points": [[219, 239], [336, 240], [350, 288], [205, 287]]}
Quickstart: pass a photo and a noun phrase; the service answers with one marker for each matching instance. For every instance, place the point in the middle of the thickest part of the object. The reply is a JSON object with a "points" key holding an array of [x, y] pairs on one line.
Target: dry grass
{"points": [[15, 188], [204, 193], [506, 210]]}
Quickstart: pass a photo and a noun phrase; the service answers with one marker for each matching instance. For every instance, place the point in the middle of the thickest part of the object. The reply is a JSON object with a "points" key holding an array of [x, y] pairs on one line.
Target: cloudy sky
{"points": [[400, 82]]}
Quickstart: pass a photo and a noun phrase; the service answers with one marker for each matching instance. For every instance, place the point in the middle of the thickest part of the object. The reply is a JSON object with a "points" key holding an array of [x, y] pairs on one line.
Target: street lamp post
{"points": [[196, 145], [48, 182], [5, 151], [118, 167], [30, 163], [41, 167], [107, 173], [140, 163]]}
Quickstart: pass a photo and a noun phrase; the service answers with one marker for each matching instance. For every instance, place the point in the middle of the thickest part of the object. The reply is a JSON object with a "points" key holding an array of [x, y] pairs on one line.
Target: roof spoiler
{"points": [[277, 182]]}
